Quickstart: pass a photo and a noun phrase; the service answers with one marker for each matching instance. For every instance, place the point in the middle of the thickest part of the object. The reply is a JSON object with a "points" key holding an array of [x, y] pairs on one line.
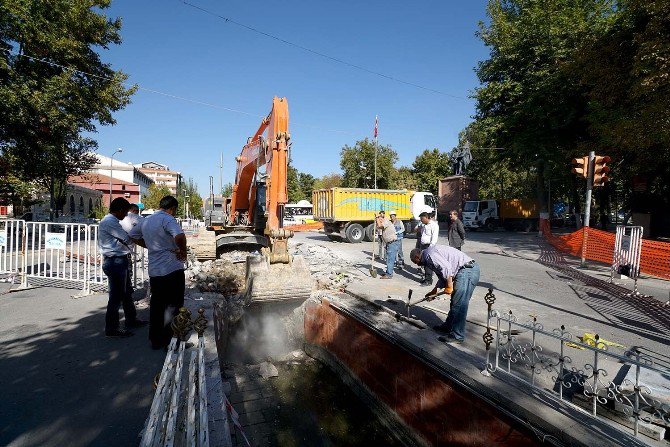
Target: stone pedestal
{"points": [[453, 192]]}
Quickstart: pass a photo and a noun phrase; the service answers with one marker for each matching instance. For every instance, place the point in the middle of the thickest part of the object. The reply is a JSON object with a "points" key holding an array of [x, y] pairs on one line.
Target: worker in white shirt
{"points": [[114, 244], [429, 231]]}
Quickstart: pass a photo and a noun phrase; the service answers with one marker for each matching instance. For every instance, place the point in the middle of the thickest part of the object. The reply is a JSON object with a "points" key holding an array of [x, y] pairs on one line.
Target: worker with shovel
{"points": [[458, 274], [392, 243]]}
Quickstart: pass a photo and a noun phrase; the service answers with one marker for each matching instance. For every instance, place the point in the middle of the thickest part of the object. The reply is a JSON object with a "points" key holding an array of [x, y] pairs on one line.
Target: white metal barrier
{"points": [[12, 233], [627, 250], [96, 278], [56, 255], [59, 254]]}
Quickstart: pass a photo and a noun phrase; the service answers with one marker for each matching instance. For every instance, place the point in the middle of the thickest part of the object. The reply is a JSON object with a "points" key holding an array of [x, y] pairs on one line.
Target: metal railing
{"points": [[627, 251], [11, 247], [59, 254], [523, 350]]}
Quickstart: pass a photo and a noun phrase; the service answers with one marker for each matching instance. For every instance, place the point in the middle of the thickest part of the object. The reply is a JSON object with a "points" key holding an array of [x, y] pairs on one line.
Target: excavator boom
{"points": [[255, 214]]}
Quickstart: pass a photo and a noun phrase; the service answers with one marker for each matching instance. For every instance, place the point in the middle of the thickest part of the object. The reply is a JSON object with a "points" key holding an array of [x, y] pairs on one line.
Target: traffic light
{"points": [[600, 170], [581, 166]]}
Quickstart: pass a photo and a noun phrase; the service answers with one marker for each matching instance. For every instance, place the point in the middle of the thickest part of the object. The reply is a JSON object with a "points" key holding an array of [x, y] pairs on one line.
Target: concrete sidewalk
{"points": [[63, 383], [539, 284]]}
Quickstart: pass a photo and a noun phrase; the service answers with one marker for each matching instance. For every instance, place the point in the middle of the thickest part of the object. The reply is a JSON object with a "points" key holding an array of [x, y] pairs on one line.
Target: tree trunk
{"points": [[541, 192]]}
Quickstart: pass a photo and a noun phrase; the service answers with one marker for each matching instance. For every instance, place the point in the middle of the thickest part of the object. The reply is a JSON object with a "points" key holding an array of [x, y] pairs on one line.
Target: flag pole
{"points": [[376, 125]]}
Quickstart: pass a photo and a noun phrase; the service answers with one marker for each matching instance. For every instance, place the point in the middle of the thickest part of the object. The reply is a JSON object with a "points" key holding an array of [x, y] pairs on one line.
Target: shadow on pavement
{"points": [[69, 385]]}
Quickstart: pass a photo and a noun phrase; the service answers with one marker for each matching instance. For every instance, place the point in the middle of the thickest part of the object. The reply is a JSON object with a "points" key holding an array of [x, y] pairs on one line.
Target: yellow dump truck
{"points": [[349, 213], [512, 214]]}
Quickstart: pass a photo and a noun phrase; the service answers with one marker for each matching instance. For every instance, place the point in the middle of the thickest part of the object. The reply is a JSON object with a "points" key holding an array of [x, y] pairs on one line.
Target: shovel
{"points": [[373, 270], [427, 298]]}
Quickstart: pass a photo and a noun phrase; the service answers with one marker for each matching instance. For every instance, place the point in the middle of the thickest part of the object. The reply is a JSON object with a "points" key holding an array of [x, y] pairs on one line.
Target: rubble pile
{"points": [[220, 276], [329, 270]]}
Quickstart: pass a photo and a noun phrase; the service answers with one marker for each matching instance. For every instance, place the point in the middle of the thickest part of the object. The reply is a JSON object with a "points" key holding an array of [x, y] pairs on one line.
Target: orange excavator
{"points": [[253, 216]]}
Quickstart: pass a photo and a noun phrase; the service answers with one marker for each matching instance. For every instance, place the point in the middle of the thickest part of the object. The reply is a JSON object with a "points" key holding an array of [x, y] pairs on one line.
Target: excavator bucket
{"points": [[277, 282]]}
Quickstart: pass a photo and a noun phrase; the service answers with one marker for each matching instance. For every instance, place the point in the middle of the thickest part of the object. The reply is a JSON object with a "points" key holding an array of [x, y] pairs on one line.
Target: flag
{"points": [[376, 125]]}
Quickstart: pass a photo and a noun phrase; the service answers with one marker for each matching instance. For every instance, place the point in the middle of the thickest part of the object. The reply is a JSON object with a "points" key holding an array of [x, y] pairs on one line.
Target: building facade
{"points": [[99, 182], [80, 203], [123, 171], [162, 175]]}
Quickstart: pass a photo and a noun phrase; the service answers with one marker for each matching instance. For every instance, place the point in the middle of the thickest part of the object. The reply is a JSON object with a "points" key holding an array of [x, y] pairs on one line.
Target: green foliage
{"points": [[194, 200], [328, 181], [429, 167], [295, 192], [98, 212], [306, 182], [44, 109], [357, 163], [404, 178], [153, 197], [227, 190]]}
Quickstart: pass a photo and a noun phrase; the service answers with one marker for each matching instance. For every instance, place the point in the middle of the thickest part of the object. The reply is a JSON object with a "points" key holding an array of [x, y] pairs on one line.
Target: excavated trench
{"points": [[284, 397]]}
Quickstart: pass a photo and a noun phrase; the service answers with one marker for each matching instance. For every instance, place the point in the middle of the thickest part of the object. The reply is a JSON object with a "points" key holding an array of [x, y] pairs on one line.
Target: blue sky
{"points": [[178, 50]]}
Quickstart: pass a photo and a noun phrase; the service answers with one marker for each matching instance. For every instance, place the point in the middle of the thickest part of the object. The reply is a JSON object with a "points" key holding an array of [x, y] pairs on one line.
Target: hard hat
{"points": [[392, 213]]}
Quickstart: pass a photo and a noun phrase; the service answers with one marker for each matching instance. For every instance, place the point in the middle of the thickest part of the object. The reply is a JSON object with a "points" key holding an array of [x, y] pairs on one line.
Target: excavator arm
{"points": [[267, 148]]}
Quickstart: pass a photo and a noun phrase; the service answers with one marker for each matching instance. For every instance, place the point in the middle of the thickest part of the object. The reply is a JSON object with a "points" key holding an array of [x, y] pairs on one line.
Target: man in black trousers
{"points": [[166, 243]]}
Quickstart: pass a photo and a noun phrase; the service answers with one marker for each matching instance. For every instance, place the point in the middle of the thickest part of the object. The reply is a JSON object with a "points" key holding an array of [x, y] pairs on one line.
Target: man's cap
{"points": [[392, 213]]}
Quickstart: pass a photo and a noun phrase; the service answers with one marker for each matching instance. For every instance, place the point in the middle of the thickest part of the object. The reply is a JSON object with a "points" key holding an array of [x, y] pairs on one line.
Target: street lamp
{"points": [[185, 197], [111, 167]]}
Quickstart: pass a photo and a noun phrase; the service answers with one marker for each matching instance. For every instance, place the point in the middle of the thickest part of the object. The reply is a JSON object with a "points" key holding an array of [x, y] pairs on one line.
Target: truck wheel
{"points": [[369, 233], [354, 233], [490, 225]]}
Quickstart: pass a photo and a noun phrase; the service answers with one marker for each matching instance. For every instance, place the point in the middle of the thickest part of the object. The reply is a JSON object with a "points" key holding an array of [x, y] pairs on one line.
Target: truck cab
{"points": [[481, 214], [419, 201]]}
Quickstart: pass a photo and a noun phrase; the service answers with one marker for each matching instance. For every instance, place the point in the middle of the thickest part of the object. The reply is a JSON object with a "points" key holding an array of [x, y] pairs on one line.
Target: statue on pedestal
{"points": [[461, 158]]}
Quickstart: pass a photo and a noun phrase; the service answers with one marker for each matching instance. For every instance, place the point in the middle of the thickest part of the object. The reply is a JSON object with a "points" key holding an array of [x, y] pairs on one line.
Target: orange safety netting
{"points": [[654, 259]]}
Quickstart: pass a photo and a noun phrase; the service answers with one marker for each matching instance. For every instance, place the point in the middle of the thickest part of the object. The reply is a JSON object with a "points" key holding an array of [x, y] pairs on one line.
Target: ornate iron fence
{"points": [[524, 351]]}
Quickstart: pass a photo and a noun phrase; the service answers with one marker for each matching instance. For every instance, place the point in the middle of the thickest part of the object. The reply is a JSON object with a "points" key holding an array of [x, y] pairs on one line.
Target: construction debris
{"points": [[267, 370], [330, 271], [224, 276]]}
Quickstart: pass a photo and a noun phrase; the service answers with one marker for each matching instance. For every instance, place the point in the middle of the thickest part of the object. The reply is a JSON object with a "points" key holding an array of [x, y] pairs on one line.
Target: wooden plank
{"points": [[191, 439], [203, 427], [154, 414], [173, 407]]}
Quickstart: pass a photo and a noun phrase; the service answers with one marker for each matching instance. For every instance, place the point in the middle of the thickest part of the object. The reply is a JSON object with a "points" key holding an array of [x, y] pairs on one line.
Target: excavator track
{"points": [[277, 282]]}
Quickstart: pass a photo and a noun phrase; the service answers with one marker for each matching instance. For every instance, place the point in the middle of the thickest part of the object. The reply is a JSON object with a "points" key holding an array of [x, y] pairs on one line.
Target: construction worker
{"points": [[399, 233], [458, 274], [114, 244], [391, 242], [380, 243], [429, 232]]}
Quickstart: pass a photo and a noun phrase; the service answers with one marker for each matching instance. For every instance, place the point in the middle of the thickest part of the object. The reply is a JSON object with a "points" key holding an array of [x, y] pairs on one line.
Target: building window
{"points": [[81, 205], [90, 205], [71, 205]]}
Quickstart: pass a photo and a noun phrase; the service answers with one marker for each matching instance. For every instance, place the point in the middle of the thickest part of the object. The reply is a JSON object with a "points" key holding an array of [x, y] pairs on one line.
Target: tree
{"points": [[429, 167], [528, 103], [227, 190], [194, 200], [154, 195], [295, 192], [306, 182], [404, 178], [357, 163], [53, 87], [328, 181]]}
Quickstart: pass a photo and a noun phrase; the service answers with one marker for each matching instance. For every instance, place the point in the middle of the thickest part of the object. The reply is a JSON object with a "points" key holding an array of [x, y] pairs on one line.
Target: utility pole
{"points": [[221, 175], [587, 207]]}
